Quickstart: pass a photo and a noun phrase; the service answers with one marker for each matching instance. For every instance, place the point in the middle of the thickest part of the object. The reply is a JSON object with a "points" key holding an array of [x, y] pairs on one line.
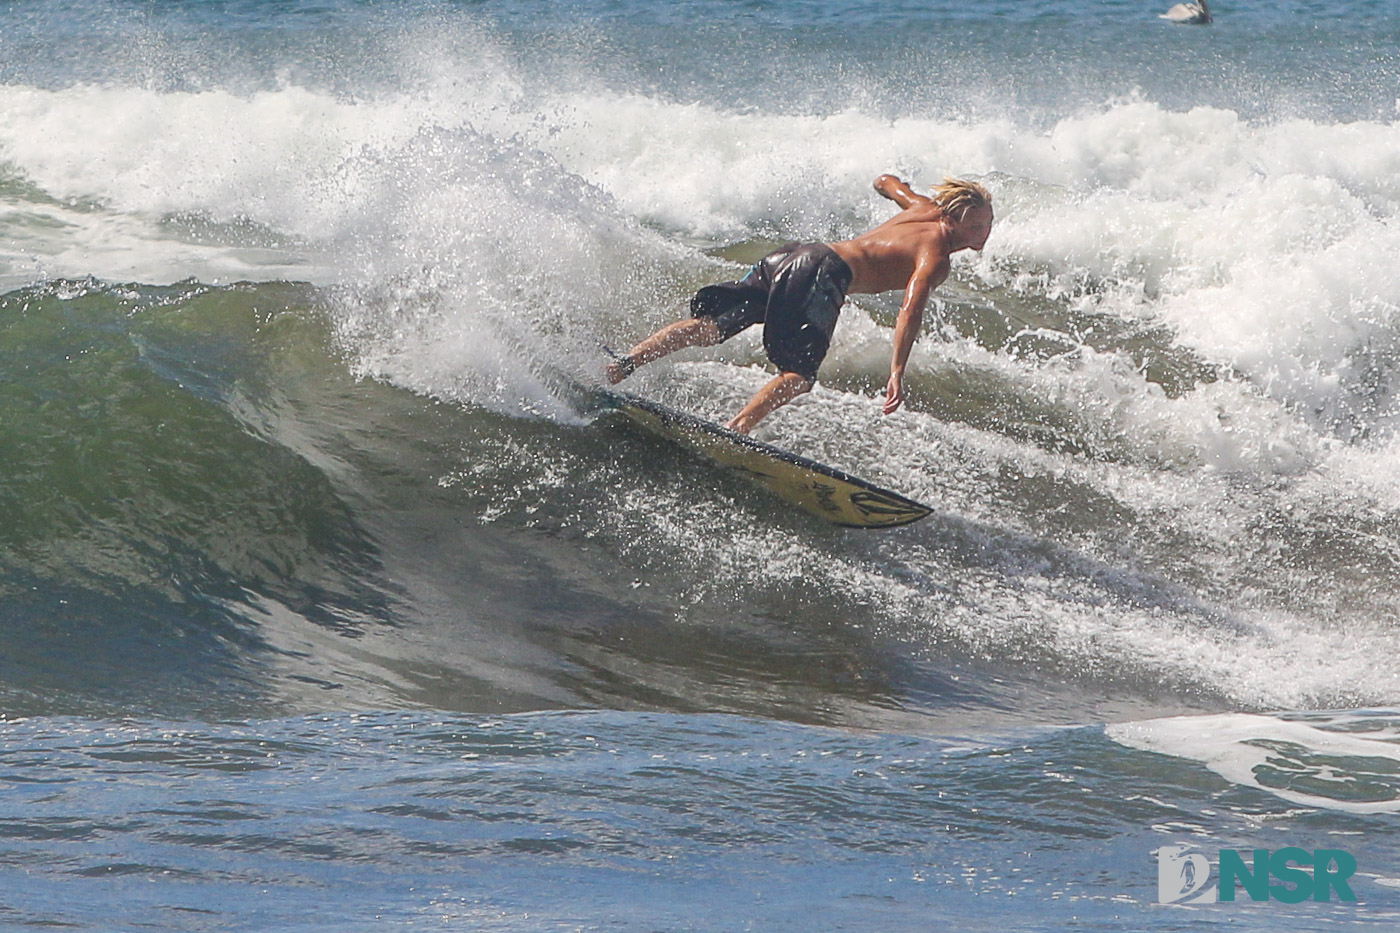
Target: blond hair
{"points": [[957, 197]]}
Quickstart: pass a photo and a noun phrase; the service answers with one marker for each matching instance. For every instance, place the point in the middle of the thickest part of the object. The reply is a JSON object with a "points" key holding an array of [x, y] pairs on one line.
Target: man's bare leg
{"points": [[694, 332], [770, 398]]}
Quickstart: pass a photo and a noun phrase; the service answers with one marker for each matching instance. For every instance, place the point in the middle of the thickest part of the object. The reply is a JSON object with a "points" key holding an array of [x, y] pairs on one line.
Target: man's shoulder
{"points": [[909, 237], [920, 234], [922, 212]]}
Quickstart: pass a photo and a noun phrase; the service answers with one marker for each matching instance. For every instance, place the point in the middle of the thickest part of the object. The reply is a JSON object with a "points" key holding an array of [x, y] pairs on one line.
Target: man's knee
{"points": [[798, 384], [706, 332]]}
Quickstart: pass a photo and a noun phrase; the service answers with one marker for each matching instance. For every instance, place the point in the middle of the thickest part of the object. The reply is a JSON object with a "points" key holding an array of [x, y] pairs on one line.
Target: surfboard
{"points": [[814, 487]]}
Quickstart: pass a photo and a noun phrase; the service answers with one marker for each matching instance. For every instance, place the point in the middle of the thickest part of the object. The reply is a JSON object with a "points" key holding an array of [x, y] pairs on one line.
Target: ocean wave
{"points": [[1157, 414], [1262, 246]]}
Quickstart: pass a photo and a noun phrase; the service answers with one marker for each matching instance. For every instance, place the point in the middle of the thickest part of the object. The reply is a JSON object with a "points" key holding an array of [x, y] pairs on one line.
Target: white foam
{"points": [[1243, 748]]}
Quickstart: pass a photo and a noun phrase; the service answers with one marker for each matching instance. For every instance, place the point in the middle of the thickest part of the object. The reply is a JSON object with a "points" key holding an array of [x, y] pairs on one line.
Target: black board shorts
{"points": [[795, 292]]}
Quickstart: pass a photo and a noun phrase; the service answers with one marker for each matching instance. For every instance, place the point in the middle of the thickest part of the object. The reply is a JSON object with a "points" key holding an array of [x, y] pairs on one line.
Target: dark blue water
{"points": [[595, 820]]}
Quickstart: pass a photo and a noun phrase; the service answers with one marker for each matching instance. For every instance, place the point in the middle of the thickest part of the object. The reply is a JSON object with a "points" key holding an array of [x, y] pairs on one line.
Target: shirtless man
{"points": [[797, 292]]}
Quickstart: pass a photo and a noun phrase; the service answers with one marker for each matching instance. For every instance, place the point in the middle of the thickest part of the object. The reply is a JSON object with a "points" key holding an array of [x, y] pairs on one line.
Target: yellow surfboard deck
{"points": [[814, 487]]}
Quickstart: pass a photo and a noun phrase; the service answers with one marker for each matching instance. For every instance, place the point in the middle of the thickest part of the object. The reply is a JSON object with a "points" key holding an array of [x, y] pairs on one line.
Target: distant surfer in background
{"points": [[796, 292], [1189, 14]]}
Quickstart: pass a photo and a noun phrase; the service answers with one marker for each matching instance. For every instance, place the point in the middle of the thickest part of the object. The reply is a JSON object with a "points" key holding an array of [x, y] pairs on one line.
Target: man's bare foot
{"points": [[620, 369]]}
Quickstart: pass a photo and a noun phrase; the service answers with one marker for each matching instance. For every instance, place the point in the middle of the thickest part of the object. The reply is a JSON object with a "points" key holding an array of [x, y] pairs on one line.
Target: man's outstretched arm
{"points": [[929, 273], [899, 191]]}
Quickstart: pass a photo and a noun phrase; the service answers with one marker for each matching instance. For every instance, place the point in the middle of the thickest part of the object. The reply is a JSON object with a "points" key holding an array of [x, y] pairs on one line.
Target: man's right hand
{"points": [[898, 191]]}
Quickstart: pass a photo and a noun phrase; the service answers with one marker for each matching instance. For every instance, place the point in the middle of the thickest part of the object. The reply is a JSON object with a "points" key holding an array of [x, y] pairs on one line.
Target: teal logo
{"points": [[1183, 877]]}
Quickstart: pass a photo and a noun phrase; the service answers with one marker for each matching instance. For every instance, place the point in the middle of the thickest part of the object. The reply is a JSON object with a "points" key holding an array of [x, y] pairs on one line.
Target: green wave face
{"points": [[137, 477]]}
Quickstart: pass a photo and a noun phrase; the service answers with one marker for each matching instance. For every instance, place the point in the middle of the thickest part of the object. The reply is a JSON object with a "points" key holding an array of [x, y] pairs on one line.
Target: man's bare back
{"points": [[886, 257], [910, 250]]}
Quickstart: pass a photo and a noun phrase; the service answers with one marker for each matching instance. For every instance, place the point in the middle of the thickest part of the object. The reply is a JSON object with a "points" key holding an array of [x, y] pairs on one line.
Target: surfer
{"points": [[796, 292], [1189, 14]]}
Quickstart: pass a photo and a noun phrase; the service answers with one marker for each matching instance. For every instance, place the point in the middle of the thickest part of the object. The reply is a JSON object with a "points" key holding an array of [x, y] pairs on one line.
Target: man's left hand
{"points": [[894, 393]]}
